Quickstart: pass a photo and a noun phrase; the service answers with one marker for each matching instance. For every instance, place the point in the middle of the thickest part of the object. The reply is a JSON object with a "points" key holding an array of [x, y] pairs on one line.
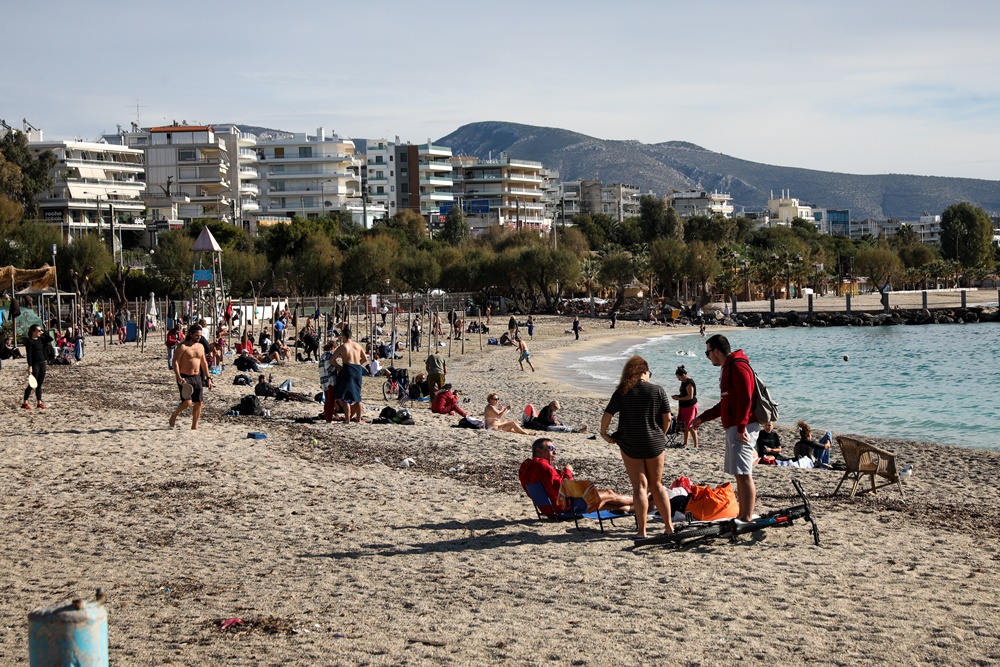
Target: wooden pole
{"points": [[142, 347], [480, 329], [104, 318]]}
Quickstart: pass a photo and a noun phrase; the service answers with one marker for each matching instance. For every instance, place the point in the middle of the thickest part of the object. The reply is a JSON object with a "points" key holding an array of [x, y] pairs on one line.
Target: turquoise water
{"points": [[935, 383]]}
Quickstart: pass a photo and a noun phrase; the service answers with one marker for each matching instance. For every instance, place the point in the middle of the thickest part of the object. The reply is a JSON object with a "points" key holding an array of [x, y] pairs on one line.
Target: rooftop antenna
{"points": [[28, 126], [137, 107]]}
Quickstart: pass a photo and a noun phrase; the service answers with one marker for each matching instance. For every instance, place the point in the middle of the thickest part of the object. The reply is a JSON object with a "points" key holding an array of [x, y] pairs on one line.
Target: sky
{"points": [[882, 86]]}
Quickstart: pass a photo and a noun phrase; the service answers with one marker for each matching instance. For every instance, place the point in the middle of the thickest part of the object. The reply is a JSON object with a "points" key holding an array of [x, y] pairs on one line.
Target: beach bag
{"points": [[708, 504], [388, 412], [242, 380], [250, 406], [764, 408], [492, 341]]}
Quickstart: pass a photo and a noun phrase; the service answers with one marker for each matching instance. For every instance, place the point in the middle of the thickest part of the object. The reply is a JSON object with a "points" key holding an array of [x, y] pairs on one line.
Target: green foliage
{"points": [[246, 273], [173, 261], [455, 229], [966, 234], [24, 176], [574, 240], [702, 264], [880, 264], [718, 229], [369, 264], [28, 245], [229, 237], [652, 218], [667, 259], [917, 255], [616, 269], [418, 270], [86, 262]]}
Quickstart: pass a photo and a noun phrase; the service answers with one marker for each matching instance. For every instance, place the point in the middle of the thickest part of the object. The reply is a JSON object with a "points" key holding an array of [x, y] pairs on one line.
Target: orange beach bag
{"points": [[708, 504]]}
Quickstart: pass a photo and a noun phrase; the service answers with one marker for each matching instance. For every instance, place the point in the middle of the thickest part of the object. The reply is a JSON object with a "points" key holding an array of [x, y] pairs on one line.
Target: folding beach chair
{"points": [[540, 499], [674, 433]]}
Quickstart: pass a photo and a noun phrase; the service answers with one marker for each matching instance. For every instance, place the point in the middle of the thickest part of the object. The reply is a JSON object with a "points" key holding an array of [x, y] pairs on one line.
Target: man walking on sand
{"points": [[348, 388], [736, 387], [190, 365], [437, 369], [524, 354]]}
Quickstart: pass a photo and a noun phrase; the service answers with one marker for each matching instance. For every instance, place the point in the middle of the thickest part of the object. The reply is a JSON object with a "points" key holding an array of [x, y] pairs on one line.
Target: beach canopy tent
{"points": [[36, 279]]}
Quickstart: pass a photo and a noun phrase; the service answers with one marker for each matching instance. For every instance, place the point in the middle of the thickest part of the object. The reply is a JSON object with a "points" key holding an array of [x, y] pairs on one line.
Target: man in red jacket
{"points": [[735, 409], [539, 468]]}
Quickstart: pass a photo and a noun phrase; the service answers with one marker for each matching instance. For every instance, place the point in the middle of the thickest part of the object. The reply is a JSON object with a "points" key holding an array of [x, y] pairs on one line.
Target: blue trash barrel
{"points": [[69, 634], [130, 332]]}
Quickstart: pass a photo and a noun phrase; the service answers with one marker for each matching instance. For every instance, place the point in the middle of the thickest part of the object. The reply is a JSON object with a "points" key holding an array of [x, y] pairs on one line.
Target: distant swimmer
{"points": [[846, 358]]}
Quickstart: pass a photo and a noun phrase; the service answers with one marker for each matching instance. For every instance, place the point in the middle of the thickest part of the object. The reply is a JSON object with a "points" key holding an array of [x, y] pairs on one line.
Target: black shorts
{"points": [[196, 385]]}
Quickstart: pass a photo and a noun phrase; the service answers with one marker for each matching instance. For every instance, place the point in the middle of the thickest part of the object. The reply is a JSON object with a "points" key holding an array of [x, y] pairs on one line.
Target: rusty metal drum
{"points": [[69, 634]]}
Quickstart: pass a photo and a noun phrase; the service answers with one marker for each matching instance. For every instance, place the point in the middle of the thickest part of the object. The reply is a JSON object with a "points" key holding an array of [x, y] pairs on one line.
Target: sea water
{"points": [[936, 383]]}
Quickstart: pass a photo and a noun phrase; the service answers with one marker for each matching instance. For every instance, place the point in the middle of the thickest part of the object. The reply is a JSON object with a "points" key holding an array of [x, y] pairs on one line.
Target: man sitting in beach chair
{"points": [[540, 469]]}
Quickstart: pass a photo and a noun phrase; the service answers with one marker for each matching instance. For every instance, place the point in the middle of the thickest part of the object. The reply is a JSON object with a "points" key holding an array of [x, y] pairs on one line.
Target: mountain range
{"points": [[677, 165]]}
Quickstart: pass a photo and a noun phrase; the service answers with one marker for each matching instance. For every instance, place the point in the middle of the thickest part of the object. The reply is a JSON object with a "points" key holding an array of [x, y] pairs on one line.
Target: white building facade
{"points": [[502, 192], [700, 202], [94, 184]]}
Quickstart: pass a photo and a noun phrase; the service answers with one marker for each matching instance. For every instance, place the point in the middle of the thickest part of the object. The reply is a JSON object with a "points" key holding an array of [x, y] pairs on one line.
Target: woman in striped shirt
{"points": [[643, 416]]}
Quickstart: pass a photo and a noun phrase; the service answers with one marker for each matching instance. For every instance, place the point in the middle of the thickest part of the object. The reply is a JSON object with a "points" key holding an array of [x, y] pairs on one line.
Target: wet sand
{"points": [[332, 554]]}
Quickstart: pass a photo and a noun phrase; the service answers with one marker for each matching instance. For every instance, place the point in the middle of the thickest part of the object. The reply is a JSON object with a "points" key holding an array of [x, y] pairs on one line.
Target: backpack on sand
{"points": [[251, 406], [764, 408]]}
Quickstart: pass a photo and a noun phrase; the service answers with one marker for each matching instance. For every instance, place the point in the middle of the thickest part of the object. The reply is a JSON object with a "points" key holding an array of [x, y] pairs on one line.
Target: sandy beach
{"points": [[332, 554]]}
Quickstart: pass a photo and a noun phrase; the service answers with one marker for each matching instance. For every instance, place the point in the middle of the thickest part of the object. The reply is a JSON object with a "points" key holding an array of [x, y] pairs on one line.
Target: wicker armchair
{"points": [[861, 459]]}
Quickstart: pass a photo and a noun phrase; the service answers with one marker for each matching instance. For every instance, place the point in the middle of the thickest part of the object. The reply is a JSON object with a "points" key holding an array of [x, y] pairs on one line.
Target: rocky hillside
{"points": [[678, 165]]}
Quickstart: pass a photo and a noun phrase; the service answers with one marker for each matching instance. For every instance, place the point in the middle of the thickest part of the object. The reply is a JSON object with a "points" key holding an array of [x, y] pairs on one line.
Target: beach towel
{"points": [[578, 488], [349, 383]]}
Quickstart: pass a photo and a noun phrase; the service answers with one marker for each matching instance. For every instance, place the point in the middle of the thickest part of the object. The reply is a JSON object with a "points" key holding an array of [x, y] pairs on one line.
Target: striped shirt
{"points": [[640, 422]]}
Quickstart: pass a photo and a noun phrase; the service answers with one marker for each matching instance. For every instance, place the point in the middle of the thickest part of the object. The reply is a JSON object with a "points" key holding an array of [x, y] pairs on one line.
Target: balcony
{"points": [[439, 181], [313, 174], [249, 173], [105, 164], [311, 158], [439, 196], [435, 165], [249, 188], [524, 177]]}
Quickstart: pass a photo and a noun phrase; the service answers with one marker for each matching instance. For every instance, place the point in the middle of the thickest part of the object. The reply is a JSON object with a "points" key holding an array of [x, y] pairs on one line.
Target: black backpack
{"points": [[242, 380], [251, 406]]}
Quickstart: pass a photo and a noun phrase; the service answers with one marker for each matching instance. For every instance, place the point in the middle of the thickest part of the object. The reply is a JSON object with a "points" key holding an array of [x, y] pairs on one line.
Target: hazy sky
{"points": [[903, 86]]}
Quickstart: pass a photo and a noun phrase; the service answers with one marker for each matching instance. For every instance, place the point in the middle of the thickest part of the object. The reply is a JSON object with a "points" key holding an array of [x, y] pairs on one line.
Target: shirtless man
{"points": [[524, 354], [353, 358], [190, 366]]}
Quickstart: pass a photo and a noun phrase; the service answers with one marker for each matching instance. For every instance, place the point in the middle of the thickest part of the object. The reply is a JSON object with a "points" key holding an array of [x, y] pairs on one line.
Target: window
{"points": [[392, 188], [187, 155], [305, 151], [277, 168], [390, 158], [308, 202], [379, 174], [378, 159], [390, 173], [404, 188], [278, 186], [278, 202], [380, 190], [402, 157]]}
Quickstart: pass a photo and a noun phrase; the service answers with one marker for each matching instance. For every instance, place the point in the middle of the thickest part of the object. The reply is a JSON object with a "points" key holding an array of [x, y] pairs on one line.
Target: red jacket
{"points": [[736, 388], [540, 470]]}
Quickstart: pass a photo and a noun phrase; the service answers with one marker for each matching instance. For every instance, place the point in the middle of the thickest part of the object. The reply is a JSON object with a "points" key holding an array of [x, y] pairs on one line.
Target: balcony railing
{"points": [[106, 164]]}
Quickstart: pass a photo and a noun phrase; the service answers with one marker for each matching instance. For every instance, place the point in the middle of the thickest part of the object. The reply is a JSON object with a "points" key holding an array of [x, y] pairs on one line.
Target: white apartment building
{"points": [[94, 184], [928, 228], [192, 168], [504, 192], [569, 200], [700, 202], [311, 176], [244, 188], [785, 208]]}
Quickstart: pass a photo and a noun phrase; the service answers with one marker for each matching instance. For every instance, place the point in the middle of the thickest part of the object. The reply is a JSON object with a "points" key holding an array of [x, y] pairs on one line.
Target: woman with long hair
{"points": [[687, 404], [36, 348], [819, 452], [643, 418]]}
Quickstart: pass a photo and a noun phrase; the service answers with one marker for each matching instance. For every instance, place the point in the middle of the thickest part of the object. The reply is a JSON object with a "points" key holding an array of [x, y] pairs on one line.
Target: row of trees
{"points": [[670, 257]]}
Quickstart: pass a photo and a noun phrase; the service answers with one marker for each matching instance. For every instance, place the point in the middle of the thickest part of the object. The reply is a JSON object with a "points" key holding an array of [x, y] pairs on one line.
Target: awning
{"points": [[91, 172]]}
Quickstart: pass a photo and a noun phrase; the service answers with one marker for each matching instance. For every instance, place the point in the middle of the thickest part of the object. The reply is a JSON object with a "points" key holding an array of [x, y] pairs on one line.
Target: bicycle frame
{"points": [[733, 529]]}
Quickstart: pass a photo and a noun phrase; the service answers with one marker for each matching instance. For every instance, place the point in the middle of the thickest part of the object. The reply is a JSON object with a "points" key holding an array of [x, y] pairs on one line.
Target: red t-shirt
{"points": [[540, 470]]}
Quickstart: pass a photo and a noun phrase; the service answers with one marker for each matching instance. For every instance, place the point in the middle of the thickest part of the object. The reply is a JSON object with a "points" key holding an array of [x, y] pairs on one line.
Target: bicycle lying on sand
{"points": [[396, 386], [699, 531]]}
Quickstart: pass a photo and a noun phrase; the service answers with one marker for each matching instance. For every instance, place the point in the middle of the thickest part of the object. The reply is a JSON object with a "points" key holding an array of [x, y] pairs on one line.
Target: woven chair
{"points": [[863, 459]]}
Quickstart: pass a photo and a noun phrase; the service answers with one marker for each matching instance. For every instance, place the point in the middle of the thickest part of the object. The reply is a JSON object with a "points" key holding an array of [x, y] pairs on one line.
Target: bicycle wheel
{"points": [[388, 391], [684, 535]]}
